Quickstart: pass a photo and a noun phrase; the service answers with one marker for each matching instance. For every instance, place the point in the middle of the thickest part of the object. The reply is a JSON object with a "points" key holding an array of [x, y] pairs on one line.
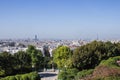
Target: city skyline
{"points": [[60, 19]]}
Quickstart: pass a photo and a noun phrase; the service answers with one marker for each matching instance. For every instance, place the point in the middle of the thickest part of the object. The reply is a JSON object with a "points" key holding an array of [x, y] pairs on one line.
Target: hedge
{"points": [[29, 76]]}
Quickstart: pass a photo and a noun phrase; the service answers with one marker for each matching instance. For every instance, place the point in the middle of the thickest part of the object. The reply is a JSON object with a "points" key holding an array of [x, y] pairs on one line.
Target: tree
{"points": [[90, 55], [46, 51], [30, 49], [6, 63], [23, 60], [61, 56], [36, 56]]}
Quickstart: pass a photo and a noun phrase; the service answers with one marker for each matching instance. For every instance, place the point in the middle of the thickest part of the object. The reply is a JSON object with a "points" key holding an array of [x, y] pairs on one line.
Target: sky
{"points": [[60, 19]]}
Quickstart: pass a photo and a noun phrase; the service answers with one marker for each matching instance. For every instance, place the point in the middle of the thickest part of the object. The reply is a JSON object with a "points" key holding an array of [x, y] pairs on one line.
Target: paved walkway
{"points": [[48, 75]]}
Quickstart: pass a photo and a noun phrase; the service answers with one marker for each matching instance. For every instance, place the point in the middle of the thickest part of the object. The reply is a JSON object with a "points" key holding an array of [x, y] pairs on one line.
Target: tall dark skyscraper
{"points": [[36, 38]]}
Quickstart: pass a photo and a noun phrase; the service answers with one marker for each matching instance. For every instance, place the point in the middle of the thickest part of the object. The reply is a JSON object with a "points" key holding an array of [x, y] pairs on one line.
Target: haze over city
{"points": [[60, 19]]}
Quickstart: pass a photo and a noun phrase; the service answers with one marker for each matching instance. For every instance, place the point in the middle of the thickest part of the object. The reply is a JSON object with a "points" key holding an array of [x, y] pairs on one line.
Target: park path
{"points": [[47, 75]]}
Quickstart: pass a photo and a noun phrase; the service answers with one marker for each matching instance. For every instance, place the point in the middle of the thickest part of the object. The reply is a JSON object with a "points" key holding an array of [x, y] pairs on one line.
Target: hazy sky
{"points": [[60, 19]]}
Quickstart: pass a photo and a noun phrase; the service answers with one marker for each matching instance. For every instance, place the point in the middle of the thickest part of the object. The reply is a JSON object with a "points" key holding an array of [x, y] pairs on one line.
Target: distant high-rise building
{"points": [[36, 38]]}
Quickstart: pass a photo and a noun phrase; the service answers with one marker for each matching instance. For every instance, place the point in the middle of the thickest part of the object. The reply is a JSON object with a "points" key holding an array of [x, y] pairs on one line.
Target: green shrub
{"points": [[111, 62], [62, 75], [2, 79], [68, 74], [29, 76], [25, 77], [6, 78], [84, 73], [34, 76], [2, 72], [18, 77], [12, 78], [72, 73]]}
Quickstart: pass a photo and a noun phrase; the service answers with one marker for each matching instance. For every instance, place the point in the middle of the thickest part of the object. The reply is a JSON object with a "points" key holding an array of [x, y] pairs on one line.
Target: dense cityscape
{"points": [[14, 45]]}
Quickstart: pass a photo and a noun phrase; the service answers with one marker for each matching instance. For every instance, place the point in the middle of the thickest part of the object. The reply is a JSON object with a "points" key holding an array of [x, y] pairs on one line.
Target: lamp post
{"points": [[65, 72], [65, 68], [53, 67], [33, 67], [44, 65]]}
